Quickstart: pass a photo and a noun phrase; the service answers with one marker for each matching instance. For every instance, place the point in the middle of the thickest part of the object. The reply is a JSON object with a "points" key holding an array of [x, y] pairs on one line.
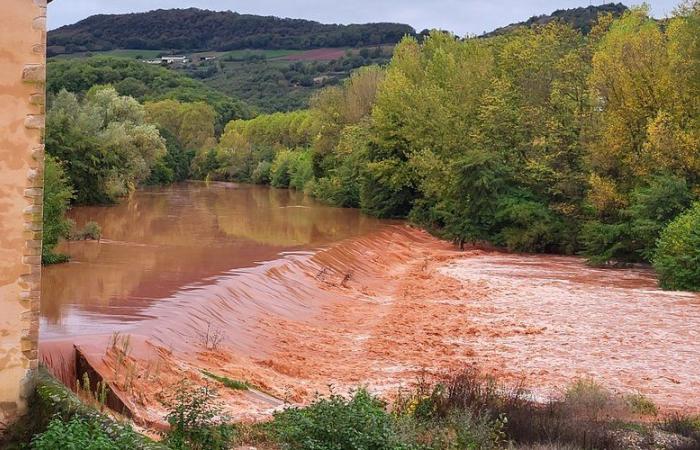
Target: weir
{"points": [[22, 96]]}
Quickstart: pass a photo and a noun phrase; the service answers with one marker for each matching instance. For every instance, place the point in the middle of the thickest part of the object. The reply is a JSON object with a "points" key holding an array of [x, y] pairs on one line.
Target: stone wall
{"points": [[22, 98]]}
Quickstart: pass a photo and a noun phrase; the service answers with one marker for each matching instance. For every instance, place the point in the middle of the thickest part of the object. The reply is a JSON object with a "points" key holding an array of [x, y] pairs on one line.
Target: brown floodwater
{"points": [[166, 241], [270, 287]]}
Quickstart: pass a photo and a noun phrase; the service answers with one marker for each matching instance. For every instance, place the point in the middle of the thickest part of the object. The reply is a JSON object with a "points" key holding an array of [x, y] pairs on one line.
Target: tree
{"points": [[104, 143], [192, 124], [57, 196], [677, 258]]}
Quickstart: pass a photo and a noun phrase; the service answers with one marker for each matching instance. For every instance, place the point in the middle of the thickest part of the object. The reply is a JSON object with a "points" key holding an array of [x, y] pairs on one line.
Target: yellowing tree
{"points": [[191, 123]]}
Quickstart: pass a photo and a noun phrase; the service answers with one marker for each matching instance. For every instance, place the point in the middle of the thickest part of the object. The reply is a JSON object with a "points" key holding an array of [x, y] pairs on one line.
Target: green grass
{"points": [[228, 382]]}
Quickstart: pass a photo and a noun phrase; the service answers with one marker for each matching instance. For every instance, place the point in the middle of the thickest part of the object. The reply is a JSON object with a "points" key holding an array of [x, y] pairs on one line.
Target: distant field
{"points": [[267, 80], [320, 54]]}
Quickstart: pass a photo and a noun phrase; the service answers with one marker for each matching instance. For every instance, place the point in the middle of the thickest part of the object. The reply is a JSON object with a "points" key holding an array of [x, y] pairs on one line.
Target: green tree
{"points": [[57, 196], [104, 143], [677, 258], [192, 124]]}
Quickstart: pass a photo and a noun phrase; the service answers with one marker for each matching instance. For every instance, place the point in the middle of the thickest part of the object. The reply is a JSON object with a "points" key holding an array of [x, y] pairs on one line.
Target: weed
{"points": [[590, 401], [98, 397], [687, 426], [196, 420], [641, 405]]}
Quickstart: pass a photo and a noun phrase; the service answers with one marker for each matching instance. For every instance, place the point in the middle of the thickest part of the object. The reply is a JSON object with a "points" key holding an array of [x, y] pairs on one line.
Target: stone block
{"points": [[35, 121], [34, 73]]}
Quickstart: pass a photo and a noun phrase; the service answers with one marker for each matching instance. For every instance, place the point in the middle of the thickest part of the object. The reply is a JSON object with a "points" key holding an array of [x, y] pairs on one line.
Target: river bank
{"points": [[389, 307]]}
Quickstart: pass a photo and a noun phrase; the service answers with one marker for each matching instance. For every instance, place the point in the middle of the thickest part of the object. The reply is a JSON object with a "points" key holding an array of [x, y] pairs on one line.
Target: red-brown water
{"points": [[303, 296], [162, 242]]}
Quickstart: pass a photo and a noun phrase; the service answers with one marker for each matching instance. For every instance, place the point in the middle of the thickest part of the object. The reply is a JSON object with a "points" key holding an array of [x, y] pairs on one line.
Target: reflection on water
{"points": [[165, 240]]}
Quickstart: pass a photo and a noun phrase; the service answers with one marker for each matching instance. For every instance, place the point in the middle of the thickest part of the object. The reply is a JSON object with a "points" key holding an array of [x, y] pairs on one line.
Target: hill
{"points": [[269, 63], [579, 18], [196, 29]]}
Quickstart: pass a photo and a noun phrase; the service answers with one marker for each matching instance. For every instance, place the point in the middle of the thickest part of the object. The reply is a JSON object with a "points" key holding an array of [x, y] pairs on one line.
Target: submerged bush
{"points": [[91, 231], [677, 257]]}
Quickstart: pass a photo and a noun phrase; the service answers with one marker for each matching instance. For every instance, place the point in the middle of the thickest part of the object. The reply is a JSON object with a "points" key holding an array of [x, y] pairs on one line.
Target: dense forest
{"points": [[581, 19], [543, 139], [264, 79], [195, 29]]}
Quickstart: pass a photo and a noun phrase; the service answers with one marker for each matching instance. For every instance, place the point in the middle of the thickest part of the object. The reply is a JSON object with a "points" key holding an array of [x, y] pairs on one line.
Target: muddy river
{"points": [[167, 240], [269, 287]]}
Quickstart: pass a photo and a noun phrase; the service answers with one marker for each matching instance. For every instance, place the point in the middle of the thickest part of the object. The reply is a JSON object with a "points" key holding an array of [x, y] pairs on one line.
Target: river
{"points": [[165, 240], [271, 287]]}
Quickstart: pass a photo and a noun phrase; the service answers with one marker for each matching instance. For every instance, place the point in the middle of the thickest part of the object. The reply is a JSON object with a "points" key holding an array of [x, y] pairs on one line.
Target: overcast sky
{"points": [[460, 16]]}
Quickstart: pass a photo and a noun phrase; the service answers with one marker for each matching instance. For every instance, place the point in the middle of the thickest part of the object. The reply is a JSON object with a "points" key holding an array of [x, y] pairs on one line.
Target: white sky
{"points": [[459, 16]]}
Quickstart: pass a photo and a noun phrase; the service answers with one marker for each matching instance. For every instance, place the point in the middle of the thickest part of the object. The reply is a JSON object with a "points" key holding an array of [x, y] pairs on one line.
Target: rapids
{"points": [[296, 298]]}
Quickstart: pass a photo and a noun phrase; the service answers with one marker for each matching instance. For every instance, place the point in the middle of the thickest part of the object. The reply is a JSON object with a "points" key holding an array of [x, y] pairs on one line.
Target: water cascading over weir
{"points": [[22, 106]]}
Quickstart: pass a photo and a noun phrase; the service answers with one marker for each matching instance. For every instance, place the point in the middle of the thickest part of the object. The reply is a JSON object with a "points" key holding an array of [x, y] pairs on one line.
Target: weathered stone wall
{"points": [[22, 98]]}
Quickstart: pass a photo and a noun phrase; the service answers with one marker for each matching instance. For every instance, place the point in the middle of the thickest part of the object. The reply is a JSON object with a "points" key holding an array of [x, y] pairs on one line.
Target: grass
{"points": [[228, 382]]}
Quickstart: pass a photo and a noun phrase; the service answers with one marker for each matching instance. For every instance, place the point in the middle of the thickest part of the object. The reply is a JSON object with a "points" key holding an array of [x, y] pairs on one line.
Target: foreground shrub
{"points": [[337, 423], [686, 426], [458, 430], [80, 434], [196, 421], [677, 258], [474, 411]]}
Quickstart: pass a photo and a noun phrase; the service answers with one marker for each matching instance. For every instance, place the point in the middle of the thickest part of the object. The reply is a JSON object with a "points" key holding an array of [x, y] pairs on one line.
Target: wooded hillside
{"points": [[196, 29], [581, 19]]}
